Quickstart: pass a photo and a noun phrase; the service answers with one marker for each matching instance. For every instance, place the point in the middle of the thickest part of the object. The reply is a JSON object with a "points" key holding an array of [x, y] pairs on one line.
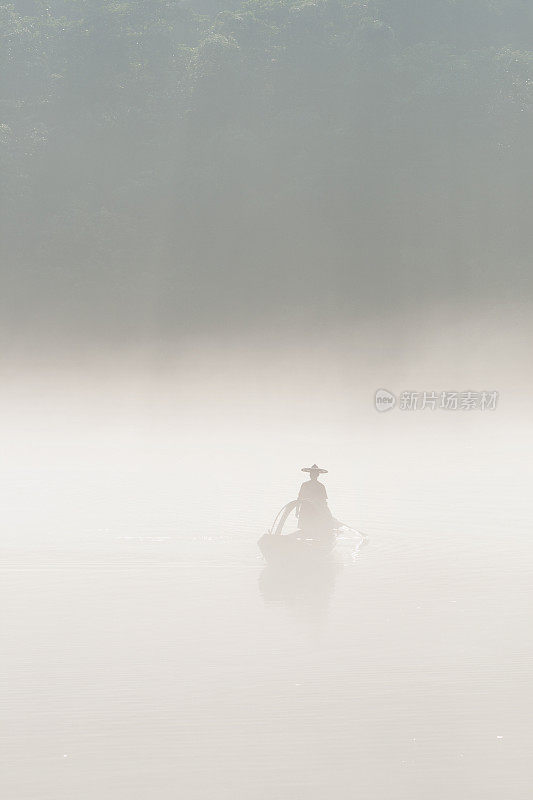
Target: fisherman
{"points": [[314, 515]]}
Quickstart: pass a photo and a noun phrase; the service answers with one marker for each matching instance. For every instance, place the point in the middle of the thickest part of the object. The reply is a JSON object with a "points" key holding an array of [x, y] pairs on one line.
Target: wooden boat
{"points": [[299, 547], [291, 548]]}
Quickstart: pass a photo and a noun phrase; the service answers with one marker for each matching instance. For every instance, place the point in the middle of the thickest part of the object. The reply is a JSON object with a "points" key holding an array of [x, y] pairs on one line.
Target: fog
{"points": [[224, 226], [215, 432], [148, 650]]}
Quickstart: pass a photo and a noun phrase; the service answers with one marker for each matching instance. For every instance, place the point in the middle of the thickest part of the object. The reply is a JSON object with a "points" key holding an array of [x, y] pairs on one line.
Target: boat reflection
{"points": [[307, 586]]}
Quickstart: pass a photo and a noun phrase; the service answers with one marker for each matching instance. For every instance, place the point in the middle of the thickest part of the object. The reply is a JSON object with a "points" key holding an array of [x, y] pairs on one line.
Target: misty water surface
{"points": [[148, 651]]}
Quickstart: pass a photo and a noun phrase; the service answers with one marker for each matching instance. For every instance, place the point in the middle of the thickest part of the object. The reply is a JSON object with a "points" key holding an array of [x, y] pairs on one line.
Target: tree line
{"points": [[147, 148]]}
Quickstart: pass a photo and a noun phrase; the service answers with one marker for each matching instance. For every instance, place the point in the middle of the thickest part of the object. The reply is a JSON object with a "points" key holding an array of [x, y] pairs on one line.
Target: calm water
{"points": [[147, 652]]}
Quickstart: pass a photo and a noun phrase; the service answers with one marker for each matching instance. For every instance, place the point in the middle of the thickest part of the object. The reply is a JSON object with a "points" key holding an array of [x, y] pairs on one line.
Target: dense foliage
{"points": [[148, 146]]}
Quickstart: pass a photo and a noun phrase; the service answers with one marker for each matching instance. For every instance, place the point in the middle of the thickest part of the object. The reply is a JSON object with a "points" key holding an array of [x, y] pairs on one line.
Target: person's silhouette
{"points": [[313, 513]]}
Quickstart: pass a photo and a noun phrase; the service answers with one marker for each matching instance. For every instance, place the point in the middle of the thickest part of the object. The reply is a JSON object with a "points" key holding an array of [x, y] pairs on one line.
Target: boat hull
{"points": [[296, 548]]}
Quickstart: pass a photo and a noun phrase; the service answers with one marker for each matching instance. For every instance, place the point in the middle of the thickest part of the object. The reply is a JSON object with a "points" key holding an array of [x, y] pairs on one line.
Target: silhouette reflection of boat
{"points": [[307, 587]]}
